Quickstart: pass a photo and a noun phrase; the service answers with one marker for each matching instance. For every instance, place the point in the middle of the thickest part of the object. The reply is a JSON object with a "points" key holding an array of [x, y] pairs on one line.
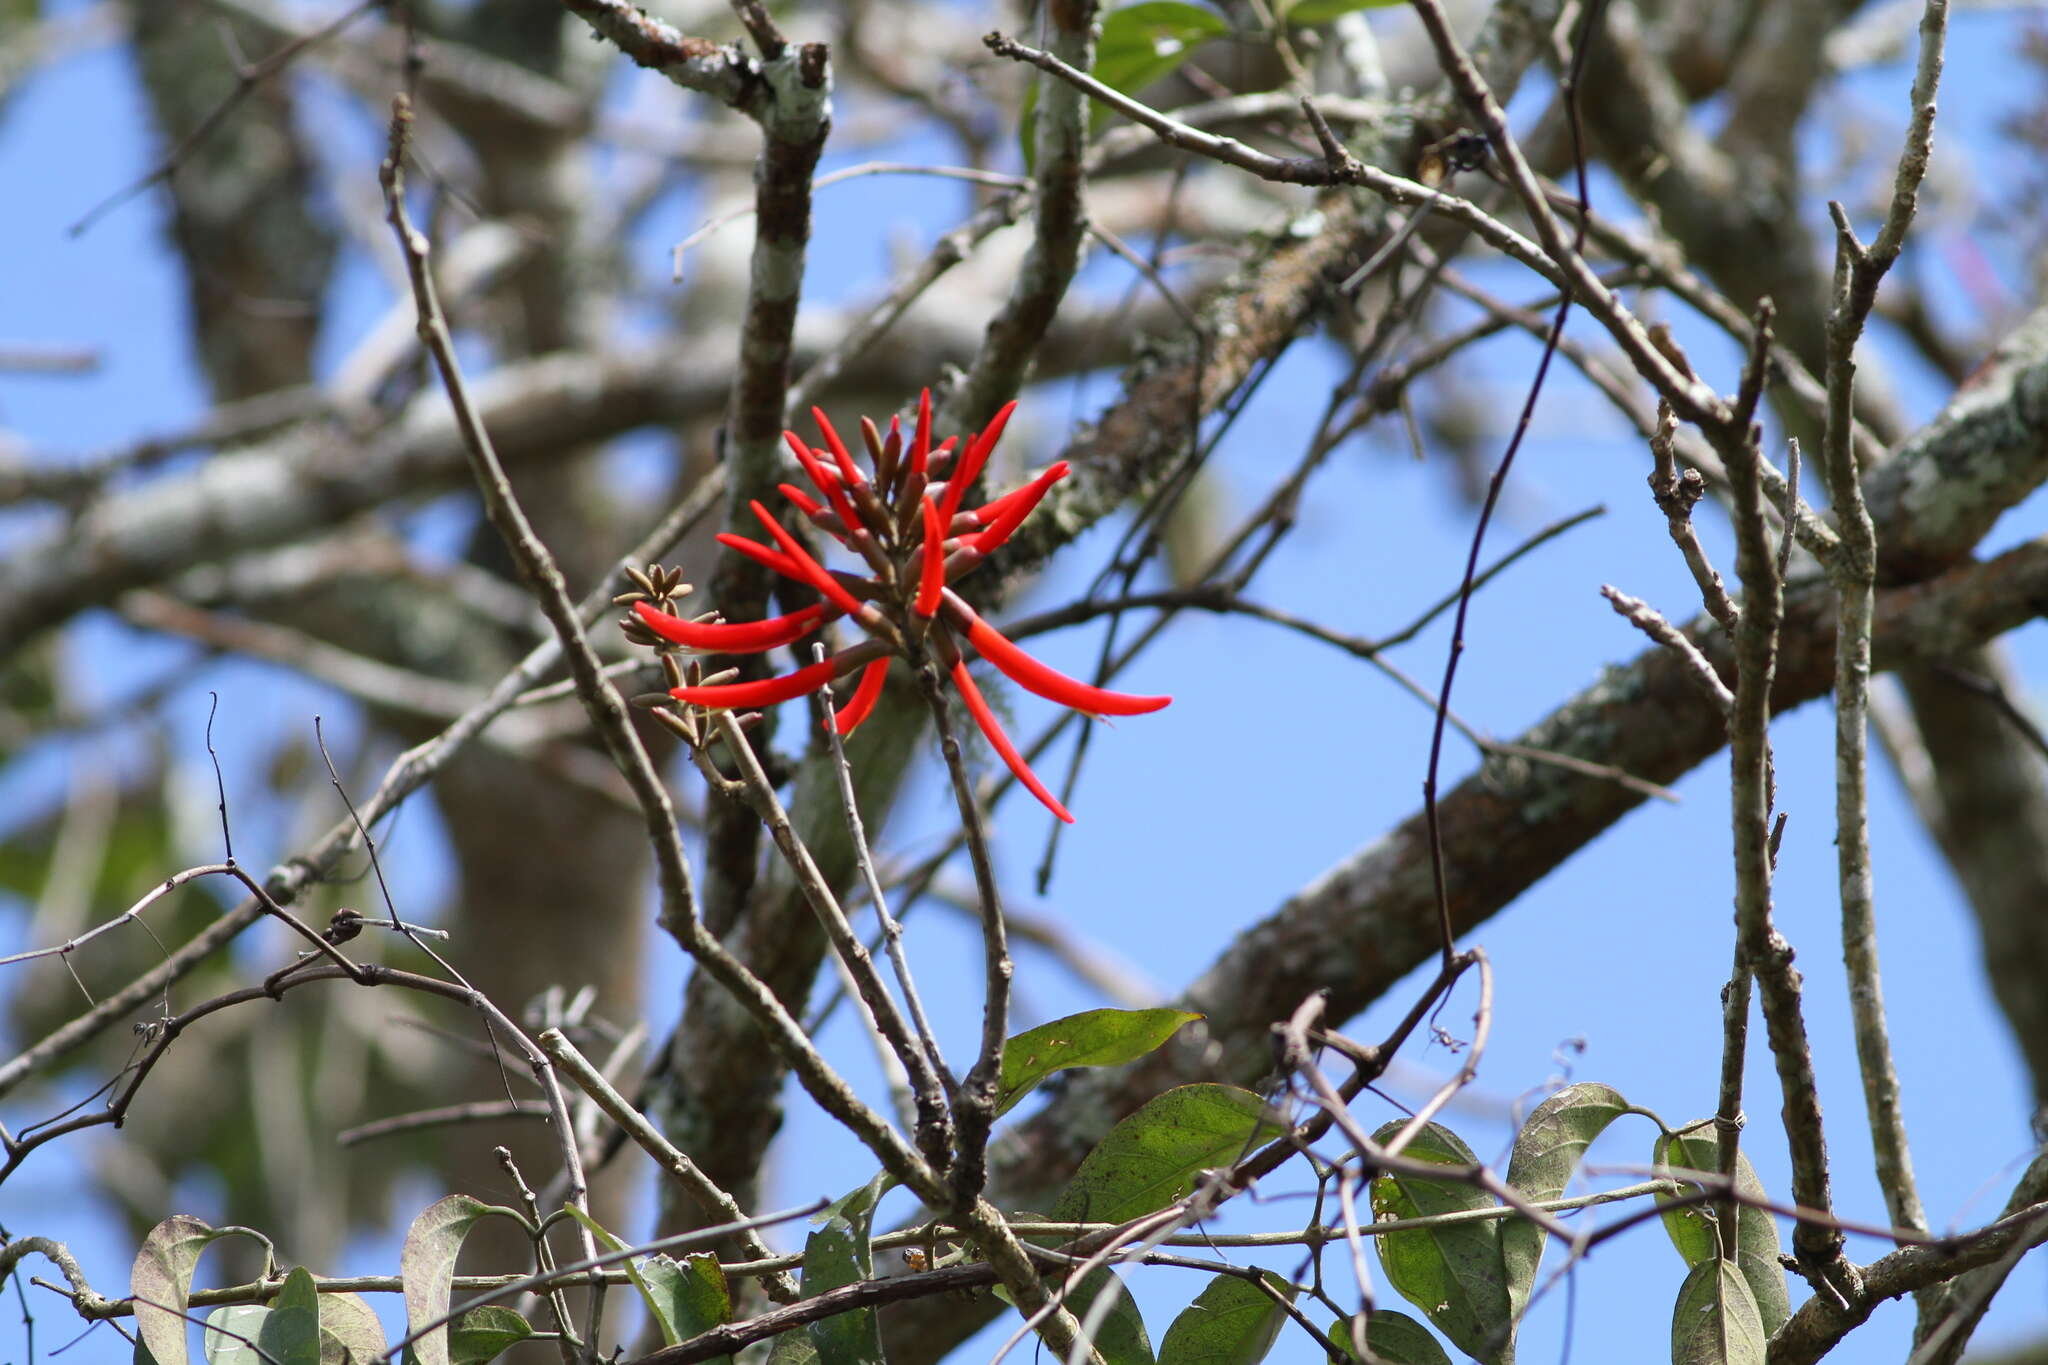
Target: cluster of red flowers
{"points": [[907, 524]]}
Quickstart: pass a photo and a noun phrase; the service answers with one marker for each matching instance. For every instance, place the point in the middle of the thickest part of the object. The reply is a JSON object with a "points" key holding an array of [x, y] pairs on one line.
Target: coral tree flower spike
{"points": [[915, 547]]}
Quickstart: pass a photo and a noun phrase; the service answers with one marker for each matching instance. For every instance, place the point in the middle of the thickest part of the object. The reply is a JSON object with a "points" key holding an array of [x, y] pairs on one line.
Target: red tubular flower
{"points": [[932, 582], [1047, 681], [988, 512], [751, 637], [1007, 513], [840, 455], [808, 569], [921, 444], [977, 706], [764, 692], [805, 503], [968, 466], [821, 476], [914, 543], [761, 554], [847, 717]]}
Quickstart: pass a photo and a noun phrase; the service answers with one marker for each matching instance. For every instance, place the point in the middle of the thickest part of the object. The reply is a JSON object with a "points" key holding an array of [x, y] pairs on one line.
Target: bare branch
{"points": [[678, 1165], [1858, 272], [1646, 618]]}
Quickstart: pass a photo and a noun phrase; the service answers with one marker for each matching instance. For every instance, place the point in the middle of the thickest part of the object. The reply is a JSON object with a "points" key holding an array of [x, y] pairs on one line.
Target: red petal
{"points": [[986, 719], [1010, 510], [761, 554], [864, 697], [808, 569], [749, 637], [933, 581], [1048, 682], [820, 476], [921, 447], [969, 465], [840, 454], [765, 692], [805, 503]]}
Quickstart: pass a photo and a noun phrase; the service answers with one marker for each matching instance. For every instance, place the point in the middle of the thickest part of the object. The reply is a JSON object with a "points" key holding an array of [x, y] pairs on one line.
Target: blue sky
{"points": [[1184, 839]]}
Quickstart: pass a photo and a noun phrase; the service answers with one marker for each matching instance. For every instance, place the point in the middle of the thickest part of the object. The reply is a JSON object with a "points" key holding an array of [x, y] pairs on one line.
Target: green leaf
{"points": [[1140, 44], [1147, 42], [161, 1282], [1395, 1338], [1309, 13], [1156, 1155], [1691, 1227], [1454, 1274], [350, 1333], [291, 1334], [484, 1334], [684, 1300], [1091, 1038], [231, 1335], [426, 1266], [1546, 1152], [687, 1297], [1715, 1321], [839, 1253], [1121, 1339], [1232, 1322]]}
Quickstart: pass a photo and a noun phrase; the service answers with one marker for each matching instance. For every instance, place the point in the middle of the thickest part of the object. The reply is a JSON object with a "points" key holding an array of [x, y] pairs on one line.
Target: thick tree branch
{"points": [[317, 473]]}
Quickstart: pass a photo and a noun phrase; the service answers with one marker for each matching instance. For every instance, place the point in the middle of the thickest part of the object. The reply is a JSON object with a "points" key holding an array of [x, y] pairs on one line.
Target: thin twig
{"points": [[970, 174], [948, 251], [933, 1128], [1693, 400], [1061, 138], [536, 564], [716, 1203], [974, 1109], [1466, 80], [1763, 951], [1650, 622], [1299, 1057], [892, 929], [1677, 492], [1858, 273], [583, 1269], [478, 1111], [1553, 259], [247, 81]]}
